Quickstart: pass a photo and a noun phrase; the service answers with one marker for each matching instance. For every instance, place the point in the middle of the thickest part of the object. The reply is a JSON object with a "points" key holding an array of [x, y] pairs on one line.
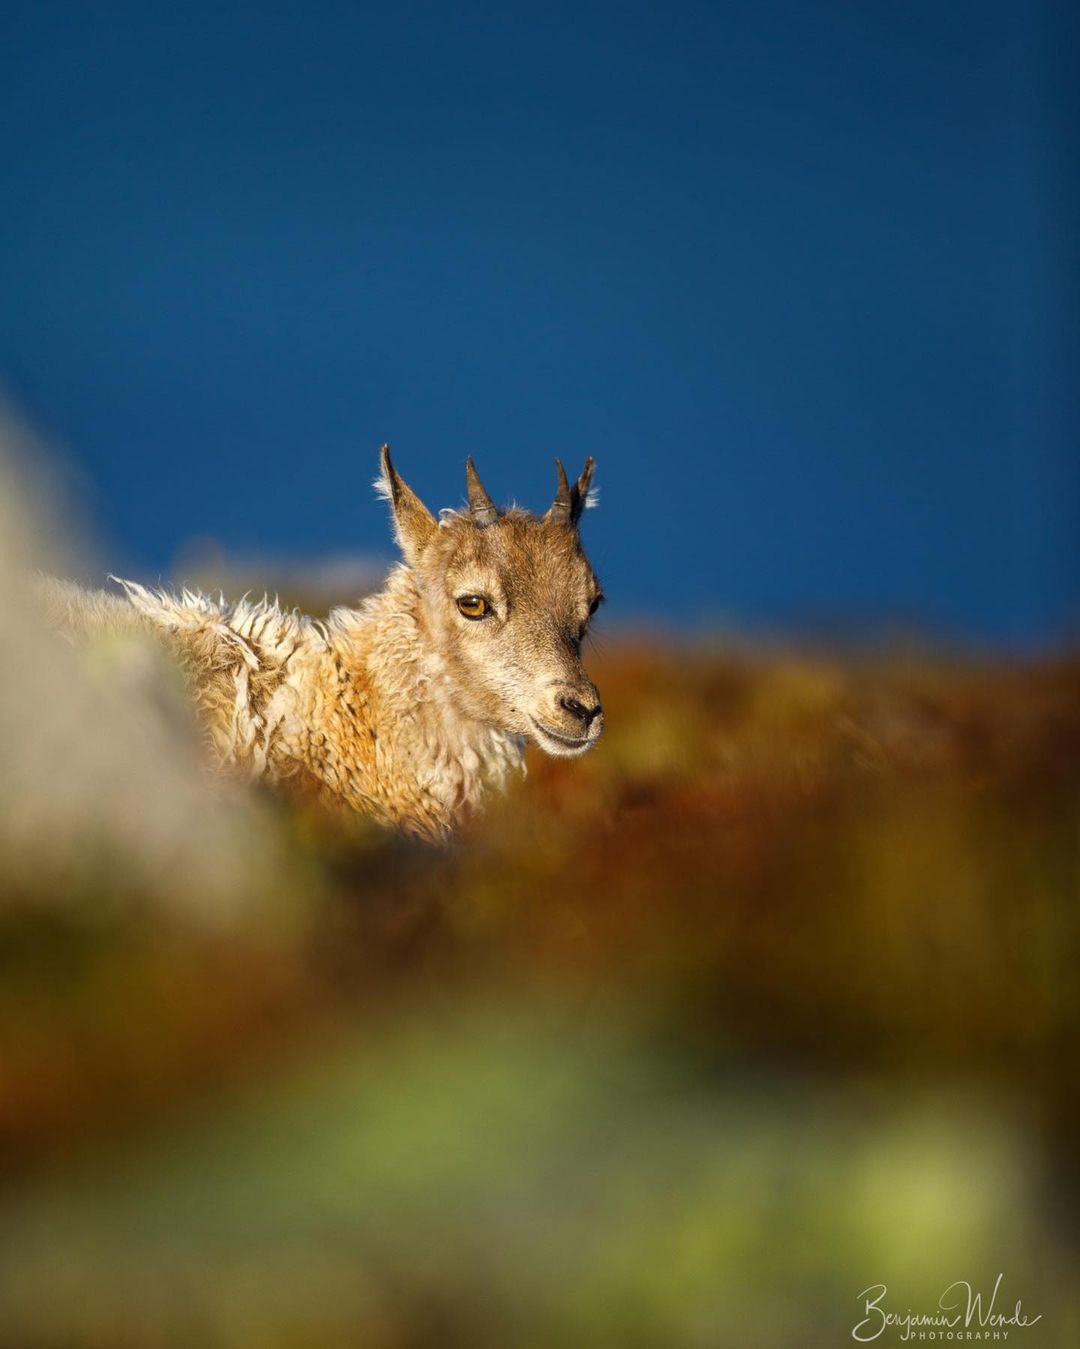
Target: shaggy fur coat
{"points": [[354, 710]]}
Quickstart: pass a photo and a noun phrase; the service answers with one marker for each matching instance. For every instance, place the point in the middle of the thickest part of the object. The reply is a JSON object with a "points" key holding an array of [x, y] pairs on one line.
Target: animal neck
{"points": [[430, 747], [362, 707]]}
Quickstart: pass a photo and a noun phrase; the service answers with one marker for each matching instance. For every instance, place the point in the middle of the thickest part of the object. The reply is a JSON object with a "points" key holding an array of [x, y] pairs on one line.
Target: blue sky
{"points": [[800, 276]]}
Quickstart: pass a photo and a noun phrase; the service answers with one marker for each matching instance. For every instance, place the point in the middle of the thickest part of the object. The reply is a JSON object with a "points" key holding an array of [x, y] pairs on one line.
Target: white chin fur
{"points": [[557, 748]]}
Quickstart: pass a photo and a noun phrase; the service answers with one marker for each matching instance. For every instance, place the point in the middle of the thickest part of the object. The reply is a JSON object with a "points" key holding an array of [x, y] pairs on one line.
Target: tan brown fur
{"points": [[401, 709]]}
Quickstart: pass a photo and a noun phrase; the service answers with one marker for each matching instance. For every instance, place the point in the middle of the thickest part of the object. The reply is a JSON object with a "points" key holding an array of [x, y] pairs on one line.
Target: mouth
{"points": [[558, 744]]}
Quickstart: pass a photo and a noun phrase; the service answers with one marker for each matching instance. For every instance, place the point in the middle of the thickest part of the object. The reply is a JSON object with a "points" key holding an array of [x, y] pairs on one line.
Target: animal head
{"points": [[506, 598]]}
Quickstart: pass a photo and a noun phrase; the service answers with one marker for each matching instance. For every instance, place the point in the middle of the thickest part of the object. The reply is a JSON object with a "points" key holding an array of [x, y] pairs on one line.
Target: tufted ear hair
{"points": [[414, 524]]}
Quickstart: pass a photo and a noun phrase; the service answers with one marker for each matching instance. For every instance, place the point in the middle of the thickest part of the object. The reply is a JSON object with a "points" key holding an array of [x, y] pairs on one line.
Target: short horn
{"points": [[580, 495], [562, 507], [481, 507]]}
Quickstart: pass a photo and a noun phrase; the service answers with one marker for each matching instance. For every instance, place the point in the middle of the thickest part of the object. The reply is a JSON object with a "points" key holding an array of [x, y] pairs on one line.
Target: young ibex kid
{"points": [[408, 707]]}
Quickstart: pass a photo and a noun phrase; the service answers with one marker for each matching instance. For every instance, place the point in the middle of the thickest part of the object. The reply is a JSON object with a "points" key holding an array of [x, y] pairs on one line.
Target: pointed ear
{"points": [[414, 524]]}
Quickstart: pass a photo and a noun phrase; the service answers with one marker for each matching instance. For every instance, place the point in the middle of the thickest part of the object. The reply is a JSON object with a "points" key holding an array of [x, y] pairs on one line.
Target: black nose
{"points": [[578, 709]]}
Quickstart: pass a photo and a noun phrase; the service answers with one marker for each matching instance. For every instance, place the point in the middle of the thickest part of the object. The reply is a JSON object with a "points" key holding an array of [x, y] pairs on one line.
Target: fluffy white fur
{"points": [[355, 710]]}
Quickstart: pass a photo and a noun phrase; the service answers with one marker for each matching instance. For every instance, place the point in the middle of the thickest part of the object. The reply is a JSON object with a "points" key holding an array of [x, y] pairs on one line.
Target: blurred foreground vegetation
{"points": [[770, 998]]}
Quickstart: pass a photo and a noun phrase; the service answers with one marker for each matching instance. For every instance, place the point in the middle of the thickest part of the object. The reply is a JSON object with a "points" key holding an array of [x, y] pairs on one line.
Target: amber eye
{"points": [[473, 606]]}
